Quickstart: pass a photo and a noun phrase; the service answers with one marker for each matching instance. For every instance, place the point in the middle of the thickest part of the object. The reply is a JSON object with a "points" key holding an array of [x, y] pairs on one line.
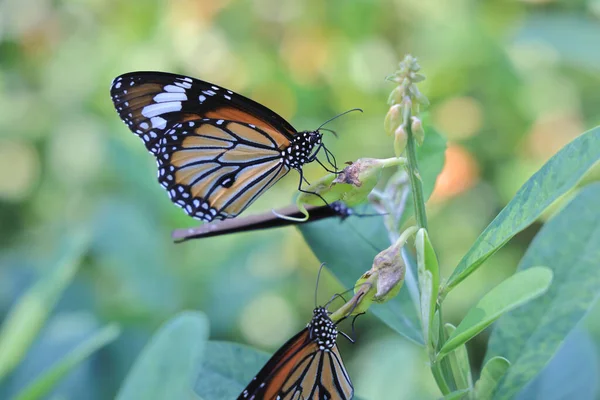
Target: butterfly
{"points": [[216, 151], [308, 366]]}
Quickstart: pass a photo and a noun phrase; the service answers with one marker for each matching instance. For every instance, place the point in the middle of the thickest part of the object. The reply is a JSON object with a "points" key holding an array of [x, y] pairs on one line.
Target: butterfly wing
{"points": [[300, 370], [216, 150]]}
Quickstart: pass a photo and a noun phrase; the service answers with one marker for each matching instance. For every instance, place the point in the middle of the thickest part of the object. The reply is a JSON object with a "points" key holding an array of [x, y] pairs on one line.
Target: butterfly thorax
{"points": [[322, 329], [300, 150]]}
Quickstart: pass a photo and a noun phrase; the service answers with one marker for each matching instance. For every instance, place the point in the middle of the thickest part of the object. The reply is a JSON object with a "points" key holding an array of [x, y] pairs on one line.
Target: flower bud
{"points": [[393, 119], [390, 269], [396, 96], [400, 139], [416, 126], [352, 185]]}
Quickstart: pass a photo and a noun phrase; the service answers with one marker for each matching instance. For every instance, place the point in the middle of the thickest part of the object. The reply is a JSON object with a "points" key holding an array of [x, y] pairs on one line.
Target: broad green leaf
{"points": [[571, 374], [459, 362], [555, 178], [492, 372], [167, 367], [48, 380], [348, 248], [570, 244], [28, 315], [508, 295], [429, 278], [227, 369]]}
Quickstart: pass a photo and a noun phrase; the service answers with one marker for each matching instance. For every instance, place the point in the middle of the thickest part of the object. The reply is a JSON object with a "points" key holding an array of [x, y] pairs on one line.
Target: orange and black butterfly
{"points": [[216, 150], [308, 366]]}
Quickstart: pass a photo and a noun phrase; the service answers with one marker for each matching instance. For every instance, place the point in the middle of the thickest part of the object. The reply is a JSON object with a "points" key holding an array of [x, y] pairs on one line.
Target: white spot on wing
{"points": [[202, 98], [158, 122], [174, 89], [166, 97], [153, 110]]}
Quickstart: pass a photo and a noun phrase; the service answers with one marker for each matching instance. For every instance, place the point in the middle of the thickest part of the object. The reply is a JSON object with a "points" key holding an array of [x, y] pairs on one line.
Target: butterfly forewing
{"points": [[216, 150]]}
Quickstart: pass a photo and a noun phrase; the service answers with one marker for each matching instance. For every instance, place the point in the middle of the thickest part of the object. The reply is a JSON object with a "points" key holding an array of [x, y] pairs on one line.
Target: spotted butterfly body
{"points": [[308, 366], [216, 151]]}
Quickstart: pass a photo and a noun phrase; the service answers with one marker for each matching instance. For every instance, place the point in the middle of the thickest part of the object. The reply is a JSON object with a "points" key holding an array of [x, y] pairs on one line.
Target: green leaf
{"points": [[530, 336], [348, 248], [227, 369], [491, 373], [555, 178], [28, 315], [429, 279], [459, 363], [571, 374], [44, 384], [456, 395], [508, 295], [167, 367]]}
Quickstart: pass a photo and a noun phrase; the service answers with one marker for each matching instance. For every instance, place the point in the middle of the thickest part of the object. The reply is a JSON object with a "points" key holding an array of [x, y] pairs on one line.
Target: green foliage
{"points": [[167, 367], [570, 245], [28, 315], [429, 278], [226, 370], [43, 384], [571, 374], [560, 174], [515, 291], [458, 360], [491, 373]]}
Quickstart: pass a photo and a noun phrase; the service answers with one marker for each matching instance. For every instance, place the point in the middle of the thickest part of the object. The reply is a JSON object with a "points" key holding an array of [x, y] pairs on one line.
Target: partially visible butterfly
{"points": [[216, 150], [308, 366]]}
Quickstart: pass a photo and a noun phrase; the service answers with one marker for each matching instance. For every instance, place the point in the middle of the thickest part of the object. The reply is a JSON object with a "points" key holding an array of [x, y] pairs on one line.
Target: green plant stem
{"points": [[439, 379], [415, 178]]}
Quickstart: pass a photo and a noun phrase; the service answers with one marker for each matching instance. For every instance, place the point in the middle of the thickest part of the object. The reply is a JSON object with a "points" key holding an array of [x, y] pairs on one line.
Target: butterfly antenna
{"points": [[317, 285], [337, 116]]}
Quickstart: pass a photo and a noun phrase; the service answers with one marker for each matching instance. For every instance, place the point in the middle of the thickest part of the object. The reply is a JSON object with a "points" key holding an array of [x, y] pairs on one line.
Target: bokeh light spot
{"points": [[460, 173], [369, 62], [305, 54], [268, 321], [76, 152], [459, 117], [551, 132], [19, 169]]}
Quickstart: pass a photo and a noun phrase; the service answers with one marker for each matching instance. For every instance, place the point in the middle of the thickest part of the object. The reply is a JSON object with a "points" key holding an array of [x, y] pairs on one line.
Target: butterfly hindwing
{"points": [[214, 173]]}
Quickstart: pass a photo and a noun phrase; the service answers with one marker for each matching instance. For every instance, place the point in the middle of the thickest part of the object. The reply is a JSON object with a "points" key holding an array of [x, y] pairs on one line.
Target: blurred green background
{"points": [[510, 82]]}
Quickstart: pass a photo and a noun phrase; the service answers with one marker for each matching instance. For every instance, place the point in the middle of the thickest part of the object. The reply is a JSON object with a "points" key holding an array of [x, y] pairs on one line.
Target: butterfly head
{"points": [[322, 329]]}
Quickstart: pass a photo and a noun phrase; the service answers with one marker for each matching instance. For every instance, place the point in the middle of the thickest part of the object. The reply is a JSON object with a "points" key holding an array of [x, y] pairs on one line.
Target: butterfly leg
{"points": [[351, 338], [307, 191]]}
